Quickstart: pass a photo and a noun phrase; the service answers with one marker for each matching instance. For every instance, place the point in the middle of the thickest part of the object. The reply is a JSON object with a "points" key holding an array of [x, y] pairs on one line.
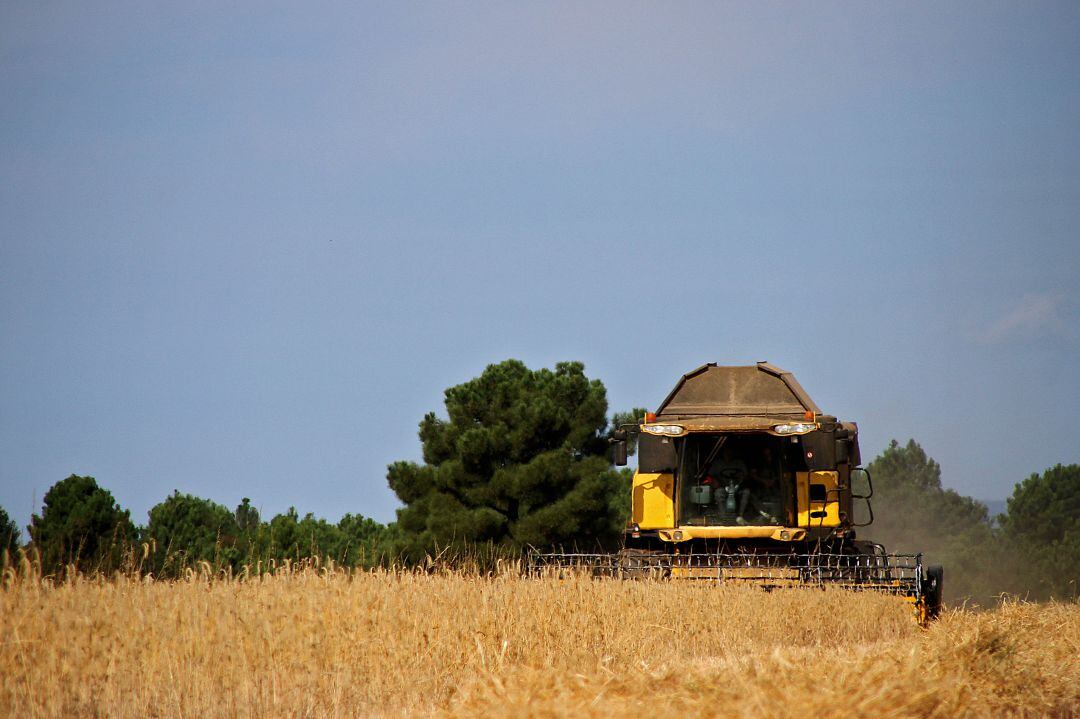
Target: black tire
{"points": [[931, 589]]}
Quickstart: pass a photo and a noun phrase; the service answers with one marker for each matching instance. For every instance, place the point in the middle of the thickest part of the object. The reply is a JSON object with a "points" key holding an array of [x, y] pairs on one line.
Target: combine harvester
{"points": [[742, 478]]}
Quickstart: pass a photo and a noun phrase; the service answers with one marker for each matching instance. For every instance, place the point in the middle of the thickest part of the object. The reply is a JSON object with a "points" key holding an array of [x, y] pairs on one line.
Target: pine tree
{"points": [[520, 460], [81, 524]]}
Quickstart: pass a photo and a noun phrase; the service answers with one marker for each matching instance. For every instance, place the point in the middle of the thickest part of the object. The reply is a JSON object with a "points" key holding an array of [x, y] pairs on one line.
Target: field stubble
{"points": [[391, 643]]}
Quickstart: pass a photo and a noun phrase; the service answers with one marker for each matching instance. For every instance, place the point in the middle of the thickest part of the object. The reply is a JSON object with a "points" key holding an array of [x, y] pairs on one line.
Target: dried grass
{"points": [[389, 643]]}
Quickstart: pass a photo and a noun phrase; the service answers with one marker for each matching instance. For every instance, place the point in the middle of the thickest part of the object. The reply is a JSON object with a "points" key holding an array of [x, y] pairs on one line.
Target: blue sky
{"points": [[245, 247]]}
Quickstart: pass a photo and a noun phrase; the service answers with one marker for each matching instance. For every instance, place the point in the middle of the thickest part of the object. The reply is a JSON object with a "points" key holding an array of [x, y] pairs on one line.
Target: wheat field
{"points": [[325, 642]]}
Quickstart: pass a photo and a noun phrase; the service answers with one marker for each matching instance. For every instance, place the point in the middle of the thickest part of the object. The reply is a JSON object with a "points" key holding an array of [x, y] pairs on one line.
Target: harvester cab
{"points": [[742, 477], [742, 455]]}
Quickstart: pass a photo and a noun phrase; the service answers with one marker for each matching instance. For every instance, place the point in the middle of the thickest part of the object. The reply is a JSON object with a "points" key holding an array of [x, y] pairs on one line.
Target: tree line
{"points": [[520, 460], [81, 526], [1032, 550]]}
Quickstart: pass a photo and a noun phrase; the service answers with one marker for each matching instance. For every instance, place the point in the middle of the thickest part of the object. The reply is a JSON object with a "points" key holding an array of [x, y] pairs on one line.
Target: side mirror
{"points": [[861, 486], [619, 452]]}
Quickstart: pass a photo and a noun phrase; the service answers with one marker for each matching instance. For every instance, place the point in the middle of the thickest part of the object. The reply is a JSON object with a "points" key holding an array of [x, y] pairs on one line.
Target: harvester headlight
{"points": [[672, 430], [795, 428]]}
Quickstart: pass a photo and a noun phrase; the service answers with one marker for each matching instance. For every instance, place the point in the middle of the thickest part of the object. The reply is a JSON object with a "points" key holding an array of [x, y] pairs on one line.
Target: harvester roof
{"points": [[736, 397]]}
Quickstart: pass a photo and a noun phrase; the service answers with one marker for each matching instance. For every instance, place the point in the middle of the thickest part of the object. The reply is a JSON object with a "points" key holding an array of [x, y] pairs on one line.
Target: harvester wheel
{"points": [[931, 589]]}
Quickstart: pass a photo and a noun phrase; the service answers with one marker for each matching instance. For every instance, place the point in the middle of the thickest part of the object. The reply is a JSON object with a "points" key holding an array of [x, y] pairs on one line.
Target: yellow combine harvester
{"points": [[742, 478]]}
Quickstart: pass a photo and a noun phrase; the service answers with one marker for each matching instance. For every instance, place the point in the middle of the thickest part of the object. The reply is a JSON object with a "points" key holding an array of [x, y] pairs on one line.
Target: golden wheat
{"points": [[390, 643]]}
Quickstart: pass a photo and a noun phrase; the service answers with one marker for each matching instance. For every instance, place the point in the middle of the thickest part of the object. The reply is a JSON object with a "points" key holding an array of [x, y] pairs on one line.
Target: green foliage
{"points": [[620, 500], [908, 478], [81, 524], [9, 536], [1034, 554], [355, 541], [1043, 521], [914, 513], [185, 530], [521, 460], [295, 538], [364, 542], [247, 517]]}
